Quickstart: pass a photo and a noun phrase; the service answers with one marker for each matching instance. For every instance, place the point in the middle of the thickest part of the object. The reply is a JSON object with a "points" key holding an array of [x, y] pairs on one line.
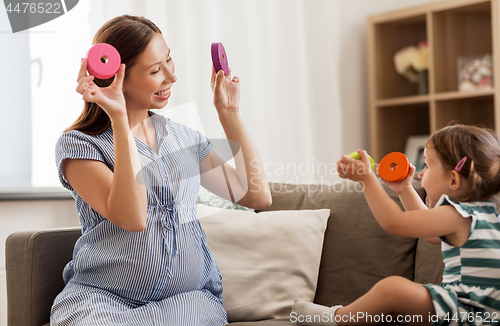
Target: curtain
{"points": [[285, 52]]}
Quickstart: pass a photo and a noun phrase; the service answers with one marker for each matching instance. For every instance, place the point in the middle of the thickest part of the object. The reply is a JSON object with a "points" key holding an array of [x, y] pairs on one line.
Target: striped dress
{"points": [[164, 275], [470, 291]]}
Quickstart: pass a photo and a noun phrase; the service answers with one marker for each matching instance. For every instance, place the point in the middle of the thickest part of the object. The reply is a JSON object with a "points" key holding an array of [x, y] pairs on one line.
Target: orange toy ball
{"points": [[394, 167]]}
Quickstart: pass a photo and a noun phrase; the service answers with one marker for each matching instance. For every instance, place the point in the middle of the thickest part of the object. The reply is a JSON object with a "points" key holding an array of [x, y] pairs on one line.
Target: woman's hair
{"points": [[481, 170], [130, 35]]}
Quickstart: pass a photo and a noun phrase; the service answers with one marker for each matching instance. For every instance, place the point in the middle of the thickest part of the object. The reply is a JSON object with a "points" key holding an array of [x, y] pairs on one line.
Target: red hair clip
{"points": [[460, 164]]}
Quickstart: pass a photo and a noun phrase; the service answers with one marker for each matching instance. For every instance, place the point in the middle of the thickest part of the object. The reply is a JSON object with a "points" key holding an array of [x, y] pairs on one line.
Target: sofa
{"points": [[356, 253]]}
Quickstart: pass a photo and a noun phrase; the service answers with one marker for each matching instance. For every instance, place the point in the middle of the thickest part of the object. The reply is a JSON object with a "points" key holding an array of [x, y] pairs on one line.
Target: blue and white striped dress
{"points": [[470, 291], [164, 275]]}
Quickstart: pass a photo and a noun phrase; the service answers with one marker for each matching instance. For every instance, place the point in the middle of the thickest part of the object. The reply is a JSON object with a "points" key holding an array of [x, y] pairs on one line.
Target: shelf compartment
{"points": [[403, 100], [397, 123], [391, 37], [459, 32], [478, 111], [463, 94]]}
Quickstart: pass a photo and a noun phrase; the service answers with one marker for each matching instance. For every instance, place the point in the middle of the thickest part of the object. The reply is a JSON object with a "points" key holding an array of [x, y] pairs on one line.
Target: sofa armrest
{"points": [[34, 263]]}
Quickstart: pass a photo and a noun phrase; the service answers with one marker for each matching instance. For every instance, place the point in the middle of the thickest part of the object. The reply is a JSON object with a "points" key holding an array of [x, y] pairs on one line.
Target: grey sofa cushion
{"points": [[357, 252], [429, 264]]}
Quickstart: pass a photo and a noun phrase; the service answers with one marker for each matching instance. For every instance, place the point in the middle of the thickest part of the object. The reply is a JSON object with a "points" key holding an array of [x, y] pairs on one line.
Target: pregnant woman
{"points": [[143, 258]]}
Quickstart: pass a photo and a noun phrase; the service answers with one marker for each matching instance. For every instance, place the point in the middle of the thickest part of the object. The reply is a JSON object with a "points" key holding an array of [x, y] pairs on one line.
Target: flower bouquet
{"points": [[412, 60]]}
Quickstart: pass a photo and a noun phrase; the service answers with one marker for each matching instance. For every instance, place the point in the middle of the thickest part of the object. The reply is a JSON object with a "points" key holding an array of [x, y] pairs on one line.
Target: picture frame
{"points": [[414, 151]]}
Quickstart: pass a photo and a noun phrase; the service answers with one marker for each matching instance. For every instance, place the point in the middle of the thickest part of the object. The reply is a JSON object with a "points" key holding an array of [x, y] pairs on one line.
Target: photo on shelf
{"points": [[414, 151], [475, 73]]}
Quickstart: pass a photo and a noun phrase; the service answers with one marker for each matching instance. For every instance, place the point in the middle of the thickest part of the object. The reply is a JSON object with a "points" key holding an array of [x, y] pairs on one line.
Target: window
{"points": [[39, 94]]}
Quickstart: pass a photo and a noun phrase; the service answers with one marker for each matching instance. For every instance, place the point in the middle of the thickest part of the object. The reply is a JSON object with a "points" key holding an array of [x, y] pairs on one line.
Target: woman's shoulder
{"points": [[77, 135], [75, 140]]}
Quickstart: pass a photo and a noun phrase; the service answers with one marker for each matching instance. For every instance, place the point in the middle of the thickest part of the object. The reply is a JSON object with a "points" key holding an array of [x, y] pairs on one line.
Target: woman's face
{"points": [[148, 82]]}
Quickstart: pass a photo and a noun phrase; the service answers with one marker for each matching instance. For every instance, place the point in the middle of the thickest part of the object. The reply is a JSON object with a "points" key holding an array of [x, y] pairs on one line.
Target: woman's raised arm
{"points": [[115, 195], [248, 184]]}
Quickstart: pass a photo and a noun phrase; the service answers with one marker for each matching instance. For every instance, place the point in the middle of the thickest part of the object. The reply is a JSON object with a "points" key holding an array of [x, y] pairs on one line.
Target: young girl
{"points": [[142, 258], [461, 177]]}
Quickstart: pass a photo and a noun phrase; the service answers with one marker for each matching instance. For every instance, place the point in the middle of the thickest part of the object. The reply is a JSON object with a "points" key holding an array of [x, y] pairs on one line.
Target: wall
{"points": [[285, 53], [30, 215]]}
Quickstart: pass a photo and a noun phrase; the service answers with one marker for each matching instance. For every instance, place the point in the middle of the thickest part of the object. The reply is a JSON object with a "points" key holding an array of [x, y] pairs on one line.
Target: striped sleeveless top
{"points": [[477, 262]]}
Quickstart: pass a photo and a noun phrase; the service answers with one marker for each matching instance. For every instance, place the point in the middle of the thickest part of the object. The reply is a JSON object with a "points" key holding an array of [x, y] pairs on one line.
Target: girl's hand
{"points": [[110, 99], [399, 187], [353, 169], [226, 92]]}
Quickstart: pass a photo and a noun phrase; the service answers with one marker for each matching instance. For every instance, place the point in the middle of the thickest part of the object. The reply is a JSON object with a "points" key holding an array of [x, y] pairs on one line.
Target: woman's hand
{"points": [[110, 99], [399, 187], [354, 169], [226, 92]]}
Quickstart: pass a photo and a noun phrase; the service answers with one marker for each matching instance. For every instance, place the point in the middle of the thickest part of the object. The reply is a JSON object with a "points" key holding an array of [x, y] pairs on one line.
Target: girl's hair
{"points": [[130, 35], [481, 170]]}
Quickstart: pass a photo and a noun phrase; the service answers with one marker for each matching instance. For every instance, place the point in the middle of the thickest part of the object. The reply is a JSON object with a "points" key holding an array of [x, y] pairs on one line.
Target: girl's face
{"points": [[148, 82], [434, 178]]}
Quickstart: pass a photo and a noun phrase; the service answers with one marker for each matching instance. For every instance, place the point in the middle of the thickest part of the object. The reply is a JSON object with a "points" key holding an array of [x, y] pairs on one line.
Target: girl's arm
{"points": [[115, 195], [248, 184], [409, 197], [407, 194], [440, 221], [412, 202]]}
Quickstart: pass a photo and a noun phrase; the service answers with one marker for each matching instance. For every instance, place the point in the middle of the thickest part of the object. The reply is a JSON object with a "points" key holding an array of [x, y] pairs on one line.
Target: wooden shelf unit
{"points": [[452, 29]]}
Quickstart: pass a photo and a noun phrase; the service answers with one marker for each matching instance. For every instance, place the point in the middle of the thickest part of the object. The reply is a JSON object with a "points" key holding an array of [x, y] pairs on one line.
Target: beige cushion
{"points": [[267, 260]]}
